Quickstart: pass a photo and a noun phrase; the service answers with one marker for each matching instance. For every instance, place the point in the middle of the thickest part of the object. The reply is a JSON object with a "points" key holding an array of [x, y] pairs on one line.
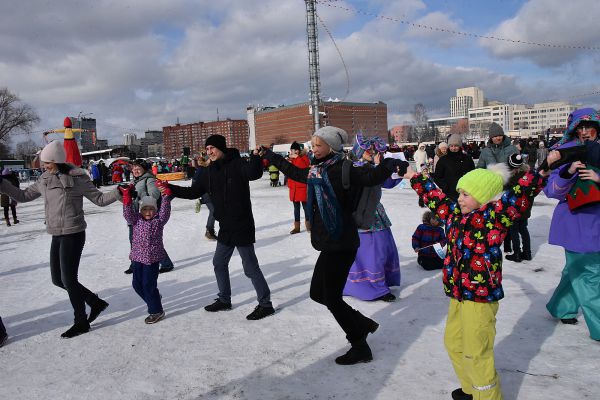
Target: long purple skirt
{"points": [[376, 268]]}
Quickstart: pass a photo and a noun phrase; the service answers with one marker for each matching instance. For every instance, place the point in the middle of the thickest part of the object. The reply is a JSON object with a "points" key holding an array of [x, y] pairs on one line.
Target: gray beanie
{"points": [[455, 140], [334, 137], [496, 130], [148, 201], [54, 152]]}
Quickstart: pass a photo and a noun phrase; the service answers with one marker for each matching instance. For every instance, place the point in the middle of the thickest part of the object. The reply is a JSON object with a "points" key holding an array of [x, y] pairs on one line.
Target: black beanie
{"points": [[295, 146], [142, 163], [515, 161], [217, 141]]}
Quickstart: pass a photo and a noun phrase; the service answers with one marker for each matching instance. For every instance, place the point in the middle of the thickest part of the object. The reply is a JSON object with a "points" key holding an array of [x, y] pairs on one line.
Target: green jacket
{"points": [[496, 153]]}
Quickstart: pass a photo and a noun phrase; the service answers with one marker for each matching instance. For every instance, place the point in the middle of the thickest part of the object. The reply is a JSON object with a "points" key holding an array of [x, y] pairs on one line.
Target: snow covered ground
{"points": [[193, 354]]}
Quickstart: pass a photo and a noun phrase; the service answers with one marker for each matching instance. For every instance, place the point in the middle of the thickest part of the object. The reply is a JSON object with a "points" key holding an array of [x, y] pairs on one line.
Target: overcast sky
{"points": [[139, 65]]}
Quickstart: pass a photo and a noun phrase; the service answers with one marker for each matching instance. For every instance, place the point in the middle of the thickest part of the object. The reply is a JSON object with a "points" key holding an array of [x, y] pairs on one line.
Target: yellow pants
{"points": [[469, 340]]}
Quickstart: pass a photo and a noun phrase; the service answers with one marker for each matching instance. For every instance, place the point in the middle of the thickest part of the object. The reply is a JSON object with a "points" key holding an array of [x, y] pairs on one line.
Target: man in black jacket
{"points": [[226, 180]]}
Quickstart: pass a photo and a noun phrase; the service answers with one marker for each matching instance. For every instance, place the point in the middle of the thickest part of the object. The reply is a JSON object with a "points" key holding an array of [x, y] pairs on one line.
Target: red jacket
{"points": [[297, 189]]}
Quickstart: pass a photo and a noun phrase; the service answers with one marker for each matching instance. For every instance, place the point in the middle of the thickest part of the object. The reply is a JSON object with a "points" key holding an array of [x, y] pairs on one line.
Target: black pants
{"points": [[13, 208], [430, 263], [327, 286], [65, 253], [2, 329], [519, 227]]}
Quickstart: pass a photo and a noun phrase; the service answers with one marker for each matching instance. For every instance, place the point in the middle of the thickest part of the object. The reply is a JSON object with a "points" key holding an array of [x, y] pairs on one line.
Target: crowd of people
{"points": [[474, 209]]}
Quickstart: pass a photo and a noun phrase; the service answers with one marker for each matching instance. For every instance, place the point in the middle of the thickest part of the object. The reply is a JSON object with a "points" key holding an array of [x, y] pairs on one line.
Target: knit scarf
{"points": [[319, 188]]}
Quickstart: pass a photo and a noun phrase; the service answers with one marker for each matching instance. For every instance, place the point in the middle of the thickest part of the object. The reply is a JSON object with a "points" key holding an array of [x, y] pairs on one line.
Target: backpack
{"points": [[365, 201]]}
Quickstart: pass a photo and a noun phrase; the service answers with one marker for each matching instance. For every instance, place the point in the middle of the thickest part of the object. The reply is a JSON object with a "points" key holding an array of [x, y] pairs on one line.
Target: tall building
{"points": [[130, 139], [471, 97], [193, 136], [86, 139], [286, 124]]}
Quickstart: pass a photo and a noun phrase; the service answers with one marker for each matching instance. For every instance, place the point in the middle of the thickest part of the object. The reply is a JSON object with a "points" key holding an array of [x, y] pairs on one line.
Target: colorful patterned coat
{"points": [[473, 265], [147, 244]]}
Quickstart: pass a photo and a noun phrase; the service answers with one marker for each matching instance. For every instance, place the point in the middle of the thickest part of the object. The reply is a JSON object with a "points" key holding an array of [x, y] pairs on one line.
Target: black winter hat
{"points": [[142, 163], [515, 161], [217, 141], [496, 130], [295, 146]]}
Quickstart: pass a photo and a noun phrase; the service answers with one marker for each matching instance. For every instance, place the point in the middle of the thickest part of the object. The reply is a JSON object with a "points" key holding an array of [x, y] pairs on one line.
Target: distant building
{"points": [[521, 120], [286, 124], [193, 136], [87, 139], [471, 97], [130, 139]]}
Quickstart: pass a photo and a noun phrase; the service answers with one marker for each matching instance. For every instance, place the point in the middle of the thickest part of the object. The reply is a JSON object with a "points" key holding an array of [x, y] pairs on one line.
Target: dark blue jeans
{"points": [[251, 269], [519, 227], [210, 222], [164, 263], [297, 210], [144, 283], [65, 254]]}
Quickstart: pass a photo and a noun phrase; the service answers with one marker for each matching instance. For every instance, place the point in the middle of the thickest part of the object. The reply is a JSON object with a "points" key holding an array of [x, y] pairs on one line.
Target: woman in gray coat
{"points": [[63, 187]]}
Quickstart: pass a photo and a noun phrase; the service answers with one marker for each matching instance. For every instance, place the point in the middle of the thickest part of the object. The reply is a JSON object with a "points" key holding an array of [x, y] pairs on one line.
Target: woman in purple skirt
{"points": [[377, 266]]}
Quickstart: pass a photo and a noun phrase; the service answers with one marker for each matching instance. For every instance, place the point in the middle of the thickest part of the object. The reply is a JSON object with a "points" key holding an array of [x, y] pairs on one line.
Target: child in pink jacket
{"points": [[147, 248]]}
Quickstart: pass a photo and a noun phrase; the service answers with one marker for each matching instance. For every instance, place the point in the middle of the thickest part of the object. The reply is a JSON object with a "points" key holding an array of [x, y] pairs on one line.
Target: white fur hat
{"points": [[148, 201], [54, 152]]}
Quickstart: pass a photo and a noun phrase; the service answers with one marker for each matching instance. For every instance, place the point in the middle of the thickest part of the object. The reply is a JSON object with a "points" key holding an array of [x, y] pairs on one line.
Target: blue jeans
{"points": [[210, 222], [297, 210], [166, 262], [144, 283], [251, 269]]}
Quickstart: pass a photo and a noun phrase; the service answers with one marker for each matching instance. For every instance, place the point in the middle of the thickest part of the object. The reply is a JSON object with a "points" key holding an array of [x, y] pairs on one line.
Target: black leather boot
{"points": [[360, 352]]}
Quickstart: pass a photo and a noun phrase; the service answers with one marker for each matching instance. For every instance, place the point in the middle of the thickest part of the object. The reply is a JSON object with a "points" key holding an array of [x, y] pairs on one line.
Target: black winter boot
{"points": [[96, 308], [458, 394], [77, 329], [367, 325], [360, 352], [569, 321], [526, 255], [515, 257], [218, 305]]}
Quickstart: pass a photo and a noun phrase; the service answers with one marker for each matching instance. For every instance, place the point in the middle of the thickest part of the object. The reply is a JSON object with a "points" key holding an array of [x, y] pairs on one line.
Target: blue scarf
{"points": [[329, 207]]}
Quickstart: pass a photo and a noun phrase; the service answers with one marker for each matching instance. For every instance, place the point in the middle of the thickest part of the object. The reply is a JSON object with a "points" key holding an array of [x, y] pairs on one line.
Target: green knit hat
{"points": [[485, 184]]}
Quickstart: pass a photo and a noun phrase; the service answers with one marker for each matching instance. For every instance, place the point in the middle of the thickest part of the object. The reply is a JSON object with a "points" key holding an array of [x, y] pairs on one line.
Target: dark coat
{"points": [[359, 177], [450, 169], [4, 198], [227, 182]]}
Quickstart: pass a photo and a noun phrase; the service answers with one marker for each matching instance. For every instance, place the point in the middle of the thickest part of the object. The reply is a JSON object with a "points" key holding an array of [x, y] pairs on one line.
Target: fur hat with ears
{"points": [[54, 152], [148, 201], [485, 184]]}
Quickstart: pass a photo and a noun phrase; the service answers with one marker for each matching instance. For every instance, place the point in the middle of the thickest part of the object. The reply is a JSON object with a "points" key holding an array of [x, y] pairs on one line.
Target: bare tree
{"points": [[26, 149], [15, 115], [420, 129]]}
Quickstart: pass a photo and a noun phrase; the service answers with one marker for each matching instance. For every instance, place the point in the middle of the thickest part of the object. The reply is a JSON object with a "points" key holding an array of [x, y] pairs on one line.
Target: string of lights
{"points": [[330, 3]]}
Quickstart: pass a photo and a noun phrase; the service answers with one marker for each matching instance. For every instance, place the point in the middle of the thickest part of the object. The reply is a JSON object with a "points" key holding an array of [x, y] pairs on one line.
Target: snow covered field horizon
{"points": [[193, 354]]}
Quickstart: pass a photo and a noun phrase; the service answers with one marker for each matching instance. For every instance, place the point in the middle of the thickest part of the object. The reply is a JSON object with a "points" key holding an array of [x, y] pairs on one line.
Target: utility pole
{"points": [[313, 58]]}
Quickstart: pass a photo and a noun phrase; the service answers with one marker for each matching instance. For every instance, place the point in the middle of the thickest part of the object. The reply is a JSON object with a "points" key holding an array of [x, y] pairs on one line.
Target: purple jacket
{"points": [[147, 244], [577, 231]]}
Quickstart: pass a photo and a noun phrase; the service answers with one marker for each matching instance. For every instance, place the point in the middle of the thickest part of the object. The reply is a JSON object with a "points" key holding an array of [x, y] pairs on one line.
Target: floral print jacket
{"points": [[473, 264]]}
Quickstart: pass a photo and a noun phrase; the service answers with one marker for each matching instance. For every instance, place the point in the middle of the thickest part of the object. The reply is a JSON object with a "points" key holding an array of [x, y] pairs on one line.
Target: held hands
{"points": [[410, 173], [163, 187], [126, 191], [575, 166]]}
